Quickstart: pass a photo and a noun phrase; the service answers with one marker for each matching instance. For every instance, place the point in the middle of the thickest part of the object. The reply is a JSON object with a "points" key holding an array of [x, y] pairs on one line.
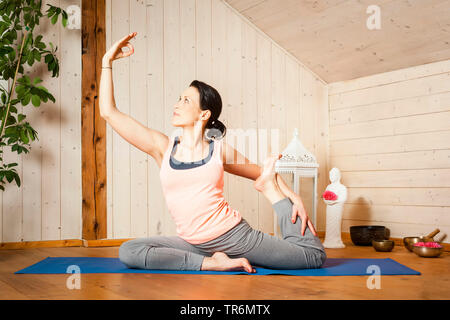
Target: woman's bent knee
{"points": [[321, 258], [128, 254]]}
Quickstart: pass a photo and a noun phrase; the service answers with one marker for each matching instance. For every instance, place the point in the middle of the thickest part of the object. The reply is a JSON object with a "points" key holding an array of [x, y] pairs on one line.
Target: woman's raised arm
{"points": [[145, 139]]}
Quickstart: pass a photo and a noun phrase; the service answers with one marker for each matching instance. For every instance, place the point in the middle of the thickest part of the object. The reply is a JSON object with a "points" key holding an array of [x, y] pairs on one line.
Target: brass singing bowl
{"points": [[410, 241], [427, 252], [383, 245]]}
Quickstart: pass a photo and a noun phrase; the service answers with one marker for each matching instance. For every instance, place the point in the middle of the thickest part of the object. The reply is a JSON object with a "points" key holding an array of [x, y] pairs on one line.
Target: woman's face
{"points": [[187, 110]]}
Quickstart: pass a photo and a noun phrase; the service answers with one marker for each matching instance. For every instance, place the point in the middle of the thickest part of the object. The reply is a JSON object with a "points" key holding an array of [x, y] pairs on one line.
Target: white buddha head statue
{"points": [[335, 175]]}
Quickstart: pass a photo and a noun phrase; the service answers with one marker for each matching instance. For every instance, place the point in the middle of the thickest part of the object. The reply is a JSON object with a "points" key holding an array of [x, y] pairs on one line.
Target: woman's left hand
{"points": [[299, 210]]}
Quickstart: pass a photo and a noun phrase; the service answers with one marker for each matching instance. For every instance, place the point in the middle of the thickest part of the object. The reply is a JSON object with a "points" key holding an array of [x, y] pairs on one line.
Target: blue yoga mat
{"points": [[331, 267]]}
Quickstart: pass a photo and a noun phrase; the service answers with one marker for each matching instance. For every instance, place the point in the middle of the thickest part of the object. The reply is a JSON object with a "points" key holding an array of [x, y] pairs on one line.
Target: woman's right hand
{"points": [[115, 52]]}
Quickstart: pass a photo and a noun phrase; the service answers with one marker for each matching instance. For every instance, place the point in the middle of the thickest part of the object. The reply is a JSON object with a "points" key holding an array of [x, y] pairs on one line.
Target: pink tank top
{"points": [[195, 198]]}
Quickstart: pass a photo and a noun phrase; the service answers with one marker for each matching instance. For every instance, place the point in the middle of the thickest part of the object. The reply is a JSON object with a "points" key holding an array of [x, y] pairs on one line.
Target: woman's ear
{"points": [[206, 115]]}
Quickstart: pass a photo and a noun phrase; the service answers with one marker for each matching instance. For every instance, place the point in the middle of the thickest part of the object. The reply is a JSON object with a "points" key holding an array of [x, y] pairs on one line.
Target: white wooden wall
{"points": [[388, 133], [47, 206], [261, 85], [390, 137]]}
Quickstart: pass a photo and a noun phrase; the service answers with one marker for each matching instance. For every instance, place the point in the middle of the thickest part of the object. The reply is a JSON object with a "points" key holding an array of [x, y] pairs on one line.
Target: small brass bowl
{"points": [[427, 252], [383, 245]]}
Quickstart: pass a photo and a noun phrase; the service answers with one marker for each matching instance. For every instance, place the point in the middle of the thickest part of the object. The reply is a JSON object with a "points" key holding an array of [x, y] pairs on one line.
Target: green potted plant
{"points": [[15, 131]]}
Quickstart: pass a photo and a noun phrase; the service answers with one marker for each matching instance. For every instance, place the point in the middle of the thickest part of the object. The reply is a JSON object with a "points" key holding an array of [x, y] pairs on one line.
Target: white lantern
{"points": [[296, 159], [296, 154]]}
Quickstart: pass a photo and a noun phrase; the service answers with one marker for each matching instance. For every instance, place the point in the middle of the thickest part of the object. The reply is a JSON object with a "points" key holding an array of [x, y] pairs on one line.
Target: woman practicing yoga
{"points": [[210, 234]]}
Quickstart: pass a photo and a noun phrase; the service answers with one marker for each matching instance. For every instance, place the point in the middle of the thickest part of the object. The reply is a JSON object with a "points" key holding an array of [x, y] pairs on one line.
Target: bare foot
{"points": [[267, 177], [221, 262]]}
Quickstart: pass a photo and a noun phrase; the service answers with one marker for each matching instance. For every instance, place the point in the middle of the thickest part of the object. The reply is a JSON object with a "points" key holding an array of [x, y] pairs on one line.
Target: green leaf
{"points": [[9, 175], [37, 80], [35, 90], [30, 133], [54, 19], [26, 99], [48, 58], [20, 89], [30, 59], [40, 45], [37, 55], [42, 88], [17, 179], [10, 132], [36, 100], [51, 97], [27, 80], [21, 117], [11, 120], [12, 55], [50, 10], [24, 137], [15, 101]]}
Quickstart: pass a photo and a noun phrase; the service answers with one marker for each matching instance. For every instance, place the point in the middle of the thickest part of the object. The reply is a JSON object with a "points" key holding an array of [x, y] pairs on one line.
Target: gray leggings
{"points": [[294, 251]]}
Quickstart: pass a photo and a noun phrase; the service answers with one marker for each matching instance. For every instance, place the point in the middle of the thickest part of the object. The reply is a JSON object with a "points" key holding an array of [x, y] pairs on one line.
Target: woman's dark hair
{"points": [[210, 100]]}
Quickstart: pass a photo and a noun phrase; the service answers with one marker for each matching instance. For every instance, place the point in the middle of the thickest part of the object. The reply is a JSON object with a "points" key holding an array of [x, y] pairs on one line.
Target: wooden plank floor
{"points": [[434, 283]]}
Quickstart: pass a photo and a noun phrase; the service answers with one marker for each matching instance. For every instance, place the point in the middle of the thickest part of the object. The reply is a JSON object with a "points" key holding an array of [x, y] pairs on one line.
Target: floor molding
{"points": [[117, 242]]}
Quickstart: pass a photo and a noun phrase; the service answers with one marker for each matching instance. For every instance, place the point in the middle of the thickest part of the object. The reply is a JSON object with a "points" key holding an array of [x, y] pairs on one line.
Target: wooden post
{"points": [[93, 126]]}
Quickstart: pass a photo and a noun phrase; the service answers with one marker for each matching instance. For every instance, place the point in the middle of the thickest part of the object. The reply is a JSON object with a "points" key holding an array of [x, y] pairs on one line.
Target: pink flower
{"points": [[428, 244], [329, 195]]}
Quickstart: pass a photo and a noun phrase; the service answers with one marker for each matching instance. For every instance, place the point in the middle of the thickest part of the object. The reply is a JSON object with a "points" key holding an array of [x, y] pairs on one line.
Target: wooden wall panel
{"points": [[307, 131], [203, 29], [171, 76], [249, 121], [50, 134], [121, 171], [422, 86], [12, 208], [138, 110], [322, 150], [264, 100], [219, 67], [390, 139], [233, 107], [70, 128], [48, 204], [157, 208]]}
